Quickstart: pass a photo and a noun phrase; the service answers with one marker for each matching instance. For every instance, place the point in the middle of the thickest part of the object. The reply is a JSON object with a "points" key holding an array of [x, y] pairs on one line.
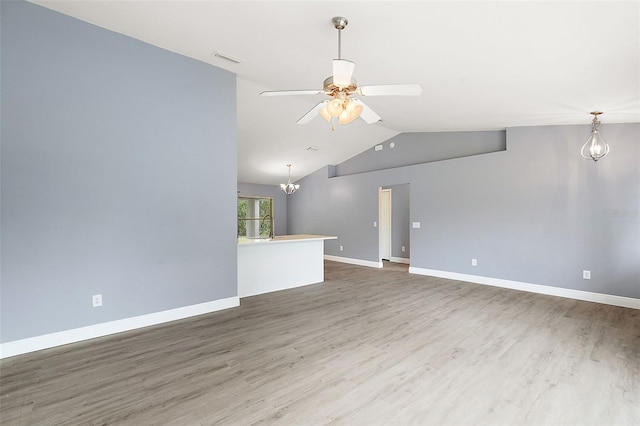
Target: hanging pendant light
{"points": [[289, 188], [595, 147]]}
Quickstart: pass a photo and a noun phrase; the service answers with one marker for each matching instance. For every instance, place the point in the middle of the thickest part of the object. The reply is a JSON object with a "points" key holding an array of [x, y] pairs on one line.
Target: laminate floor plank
{"points": [[367, 347]]}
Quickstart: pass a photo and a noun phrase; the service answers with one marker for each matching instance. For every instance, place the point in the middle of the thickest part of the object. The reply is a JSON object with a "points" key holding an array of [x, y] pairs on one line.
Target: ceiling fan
{"points": [[343, 91]]}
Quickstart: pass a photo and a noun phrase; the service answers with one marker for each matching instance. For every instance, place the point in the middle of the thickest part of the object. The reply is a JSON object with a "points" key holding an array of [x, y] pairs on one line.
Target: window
{"points": [[255, 217]]}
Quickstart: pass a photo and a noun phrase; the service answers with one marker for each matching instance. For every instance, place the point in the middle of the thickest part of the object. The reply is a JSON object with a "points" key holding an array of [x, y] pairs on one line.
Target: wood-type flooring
{"points": [[367, 347]]}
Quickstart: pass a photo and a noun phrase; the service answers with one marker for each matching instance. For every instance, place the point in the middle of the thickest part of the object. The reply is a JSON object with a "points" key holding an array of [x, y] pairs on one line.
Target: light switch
{"points": [[375, 224], [416, 224]]}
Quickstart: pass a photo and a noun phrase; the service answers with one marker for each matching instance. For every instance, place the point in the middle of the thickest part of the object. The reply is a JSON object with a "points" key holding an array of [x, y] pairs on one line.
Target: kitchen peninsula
{"points": [[286, 261]]}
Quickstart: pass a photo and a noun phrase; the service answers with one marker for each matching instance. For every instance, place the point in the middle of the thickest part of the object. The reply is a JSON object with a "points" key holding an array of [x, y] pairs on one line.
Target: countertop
{"points": [[284, 239]]}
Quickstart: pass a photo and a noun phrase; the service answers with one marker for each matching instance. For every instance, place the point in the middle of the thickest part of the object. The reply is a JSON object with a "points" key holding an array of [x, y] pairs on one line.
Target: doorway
{"points": [[385, 228], [394, 231]]}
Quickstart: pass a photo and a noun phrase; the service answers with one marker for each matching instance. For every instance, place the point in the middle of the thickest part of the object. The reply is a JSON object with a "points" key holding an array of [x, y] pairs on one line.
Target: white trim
{"points": [[18, 347], [607, 299], [360, 262], [400, 260]]}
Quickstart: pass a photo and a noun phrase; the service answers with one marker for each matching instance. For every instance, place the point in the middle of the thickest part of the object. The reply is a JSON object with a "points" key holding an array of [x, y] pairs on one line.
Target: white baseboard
{"points": [[608, 299], [400, 260], [18, 347], [360, 262]]}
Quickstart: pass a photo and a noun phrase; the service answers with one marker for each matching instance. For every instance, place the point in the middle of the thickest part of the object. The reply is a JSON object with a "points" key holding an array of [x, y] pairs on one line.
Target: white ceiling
{"points": [[482, 65]]}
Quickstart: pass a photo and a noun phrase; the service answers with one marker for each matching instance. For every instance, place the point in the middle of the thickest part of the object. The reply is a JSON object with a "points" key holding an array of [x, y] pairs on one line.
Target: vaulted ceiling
{"points": [[482, 65]]}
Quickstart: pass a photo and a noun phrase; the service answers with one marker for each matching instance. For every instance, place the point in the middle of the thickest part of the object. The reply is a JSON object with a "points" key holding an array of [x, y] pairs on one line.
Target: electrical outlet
{"points": [[403, 249], [415, 224], [474, 262], [375, 224], [586, 275], [340, 248], [97, 300]]}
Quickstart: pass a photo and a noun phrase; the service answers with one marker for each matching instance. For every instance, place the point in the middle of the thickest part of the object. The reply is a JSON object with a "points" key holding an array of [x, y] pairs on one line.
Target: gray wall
{"points": [[419, 148], [536, 213], [279, 202], [400, 220], [327, 207], [118, 176]]}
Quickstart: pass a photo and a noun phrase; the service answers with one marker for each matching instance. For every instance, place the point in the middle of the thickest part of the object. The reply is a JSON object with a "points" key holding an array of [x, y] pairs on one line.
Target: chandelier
{"points": [[289, 187], [595, 147]]}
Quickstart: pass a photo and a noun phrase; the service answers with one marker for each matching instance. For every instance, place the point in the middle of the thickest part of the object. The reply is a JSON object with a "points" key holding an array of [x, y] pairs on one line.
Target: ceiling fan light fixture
{"points": [[335, 107], [324, 113], [351, 111], [353, 106], [346, 117]]}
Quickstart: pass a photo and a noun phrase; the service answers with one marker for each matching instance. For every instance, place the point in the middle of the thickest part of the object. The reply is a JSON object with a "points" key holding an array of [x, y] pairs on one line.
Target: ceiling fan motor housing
{"points": [[331, 89]]}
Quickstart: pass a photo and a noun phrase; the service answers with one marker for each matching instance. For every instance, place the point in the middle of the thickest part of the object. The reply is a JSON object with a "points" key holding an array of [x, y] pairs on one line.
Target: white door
{"points": [[385, 224]]}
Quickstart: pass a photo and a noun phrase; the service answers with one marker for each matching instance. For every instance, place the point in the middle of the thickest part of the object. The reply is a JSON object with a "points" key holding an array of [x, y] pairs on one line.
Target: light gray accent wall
{"points": [[536, 213], [279, 202], [346, 207], [418, 148], [400, 220], [118, 176]]}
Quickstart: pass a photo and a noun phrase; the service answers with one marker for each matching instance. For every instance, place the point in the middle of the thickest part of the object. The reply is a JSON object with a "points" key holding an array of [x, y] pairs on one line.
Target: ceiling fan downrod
{"points": [[339, 23]]}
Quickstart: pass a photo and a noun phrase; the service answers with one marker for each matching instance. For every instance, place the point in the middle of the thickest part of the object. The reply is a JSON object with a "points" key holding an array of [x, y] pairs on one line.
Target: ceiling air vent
{"points": [[227, 57]]}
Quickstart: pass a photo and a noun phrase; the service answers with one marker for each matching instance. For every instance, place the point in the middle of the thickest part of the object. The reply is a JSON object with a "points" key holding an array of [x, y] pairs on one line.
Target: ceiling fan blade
{"points": [[391, 90], [291, 92], [311, 114], [367, 113], [342, 72]]}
